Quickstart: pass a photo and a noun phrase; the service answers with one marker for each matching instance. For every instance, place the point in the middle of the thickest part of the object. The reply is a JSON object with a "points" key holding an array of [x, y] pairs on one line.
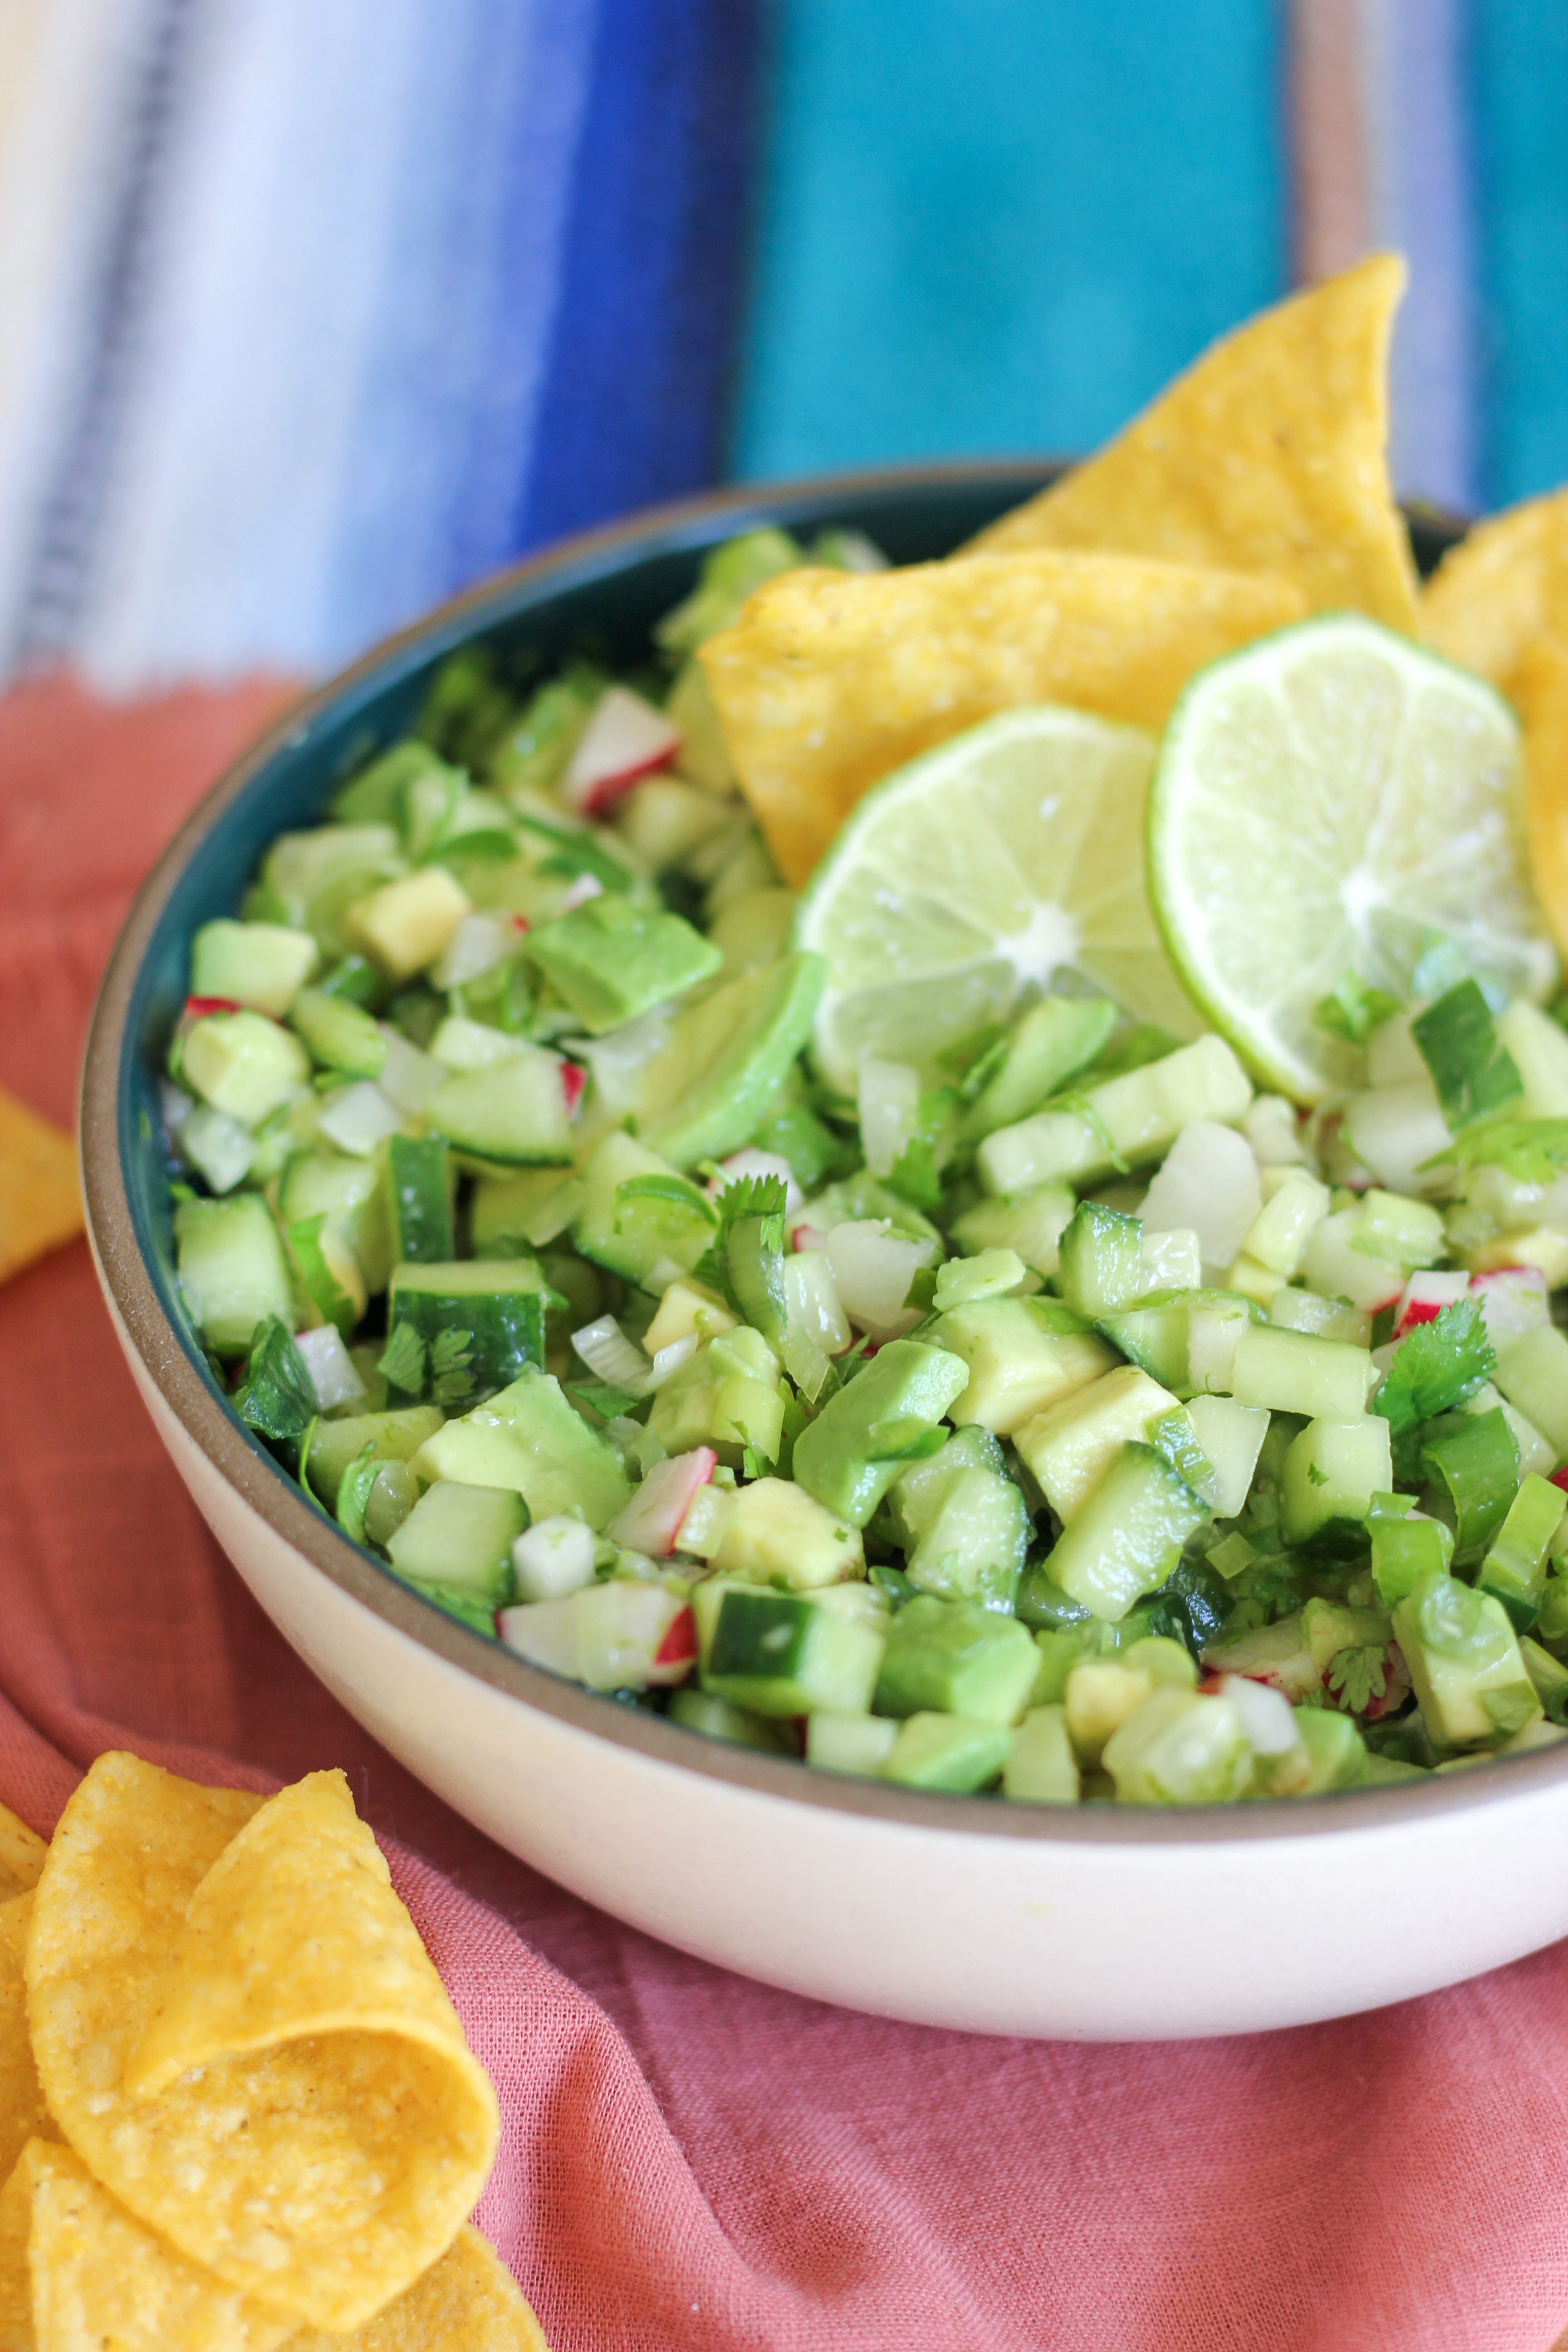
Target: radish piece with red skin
{"points": [[626, 738], [679, 1647], [651, 1521], [573, 1078], [1423, 1297]]}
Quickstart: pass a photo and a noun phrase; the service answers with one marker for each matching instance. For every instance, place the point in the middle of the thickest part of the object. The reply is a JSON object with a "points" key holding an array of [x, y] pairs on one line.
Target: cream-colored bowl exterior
{"points": [[1095, 1923]]}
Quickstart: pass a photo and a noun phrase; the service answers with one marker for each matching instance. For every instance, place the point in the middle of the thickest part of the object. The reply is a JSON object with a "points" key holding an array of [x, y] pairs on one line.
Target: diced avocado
{"points": [[243, 1064], [513, 1112], [471, 1325], [1100, 1695], [339, 1034], [1055, 1039], [1473, 1461], [706, 1089], [511, 1215], [784, 1653], [1332, 1470], [1532, 1373], [611, 959], [1180, 1749], [688, 1310], [1515, 1568], [727, 1395], [849, 1456], [947, 1751], [1041, 1768], [232, 1268], [347, 1191], [532, 1439], [849, 1743], [965, 1524], [1336, 1752], [331, 1445], [418, 1186], [773, 1532], [1071, 1446], [406, 925], [1126, 1537], [262, 965], [1295, 1205], [1032, 1224], [1471, 1683], [957, 1658], [1406, 1546], [640, 1249], [1017, 1364], [461, 1536]]}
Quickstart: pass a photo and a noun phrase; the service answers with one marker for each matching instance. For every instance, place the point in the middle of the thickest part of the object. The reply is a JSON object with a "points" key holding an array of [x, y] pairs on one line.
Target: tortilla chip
{"points": [[332, 2129], [22, 2112], [1269, 455], [1504, 586], [40, 1191], [97, 2282], [15, 2287], [465, 2303], [830, 680], [1540, 689], [22, 1853]]}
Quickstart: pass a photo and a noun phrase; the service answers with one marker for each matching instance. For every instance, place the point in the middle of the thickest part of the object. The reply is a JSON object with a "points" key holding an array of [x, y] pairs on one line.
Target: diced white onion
{"points": [[553, 1558], [1271, 1126], [872, 1270], [752, 1163], [1173, 1259], [1267, 1716], [889, 1105], [1512, 1301], [174, 1104], [333, 1373], [477, 945], [1395, 1131], [617, 1059], [1208, 1185], [359, 1119], [669, 1359], [407, 1076], [611, 1356], [217, 1146]]}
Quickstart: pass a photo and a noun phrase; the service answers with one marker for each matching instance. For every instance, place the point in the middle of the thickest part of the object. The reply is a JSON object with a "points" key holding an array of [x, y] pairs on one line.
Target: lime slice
{"points": [[1335, 799], [996, 865]]}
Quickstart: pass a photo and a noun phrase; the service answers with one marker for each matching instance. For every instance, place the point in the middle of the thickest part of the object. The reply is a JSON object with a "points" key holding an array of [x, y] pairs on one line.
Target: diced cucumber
{"points": [[1055, 1039], [1100, 1695], [1017, 1363], [1102, 1266], [1230, 1437], [956, 1658], [706, 1089], [1406, 1547], [1473, 1461], [1515, 1568], [784, 1653], [1471, 1683], [1157, 1335], [850, 1743], [1336, 1752], [339, 1034], [715, 1719], [1540, 1052], [1324, 1380], [1332, 1470], [314, 876], [611, 961], [418, 1180], [461, 1536], [243, 1064], [727, 1395], [1180, 1749], [328, 1272], [510, 1215], [772, 1532], [330, 1446], [233, 1271], [1277, 1655], [1041, 1768], [1532, 1373], [1070, 1446], [1128, 1536], [472, 1324], [1214, 1325], [513, 1112], [348, 1193], [1033, 1225], [640, 1249], [947, 1751], [405, 925], [262, 965], [1133, 1118], [849, 1455], [1399, 1231], [1320, 1319], [216, 1146], [530, 1439], [1336, 1268], [1295, 1205]]}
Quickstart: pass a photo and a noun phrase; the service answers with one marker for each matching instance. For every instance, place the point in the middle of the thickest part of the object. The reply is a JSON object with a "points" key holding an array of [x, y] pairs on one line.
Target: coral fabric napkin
{"points": [[692, 2163]]}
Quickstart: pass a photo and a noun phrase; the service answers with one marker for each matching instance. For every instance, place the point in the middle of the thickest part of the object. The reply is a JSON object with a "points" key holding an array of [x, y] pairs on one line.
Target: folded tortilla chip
{"points": [[238, 2029], [465, 2303], [830, 680], [96, 2278], [40, 1191], [1539, 681], [22, 1853], [1503, 586], [1267, 455], [15, 2287], [22, 2111]]}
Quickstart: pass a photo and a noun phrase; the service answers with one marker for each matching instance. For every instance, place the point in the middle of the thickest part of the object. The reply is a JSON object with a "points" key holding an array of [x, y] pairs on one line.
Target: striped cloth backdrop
{"points": [[315, 312]]}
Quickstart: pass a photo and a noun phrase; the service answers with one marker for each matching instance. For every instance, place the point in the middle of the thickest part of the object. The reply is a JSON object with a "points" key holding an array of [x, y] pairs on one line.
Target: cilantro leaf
{"points": [[1437, 1367], [758, 1198], [276, 1397], [402, 1360], [451, 1353], [1357, 1677], [1352, 1010], [1472, 1069], [1530, 1150]]}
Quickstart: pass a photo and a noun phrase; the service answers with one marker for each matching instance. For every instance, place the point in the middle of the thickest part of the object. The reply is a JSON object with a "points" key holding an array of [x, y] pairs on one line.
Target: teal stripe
{"points": [[1519, 63], [1002, 224]]}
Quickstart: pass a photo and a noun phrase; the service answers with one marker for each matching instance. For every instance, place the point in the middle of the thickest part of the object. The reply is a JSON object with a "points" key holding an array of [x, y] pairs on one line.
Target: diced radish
{"points": [[1424, 1298], [198, 1007], [408, 1077], [872, 1270], [611, 1356], [1208, 1185], [333, 1374], [651, 1521], [553, 1557], [625, 739], [573, 1078], [679, 1647], [741, 1165], [1513, 1300], [608, 1635], [806, 1236], [1559, 1477]]}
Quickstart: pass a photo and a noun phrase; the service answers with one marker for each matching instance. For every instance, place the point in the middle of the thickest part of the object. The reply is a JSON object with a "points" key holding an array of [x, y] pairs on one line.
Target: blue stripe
{"points": [[1519, 51], [632, 405]]}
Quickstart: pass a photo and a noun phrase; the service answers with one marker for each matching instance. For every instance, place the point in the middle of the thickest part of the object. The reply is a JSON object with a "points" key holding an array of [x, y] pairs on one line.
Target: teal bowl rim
{"points": [[123, 1180]]}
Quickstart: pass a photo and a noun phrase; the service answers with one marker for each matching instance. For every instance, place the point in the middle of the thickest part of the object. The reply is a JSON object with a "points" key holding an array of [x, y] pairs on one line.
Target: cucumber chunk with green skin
{"points": [[956, 1658], [611, 961], [1128, 1536], [338, 1034], [233, 1271], [1406, 1547], [1180, 1749], [1324, 1380], [262, 965], [462, 1330], [1055, 1040], [1033, 1225], [1515, 1568], [1332, 1472], [348, 1193], [330, 1446], [512, 1113], [949, 1752], [509, 1216], [530, 1439], [1472, 1069], [1471, 1683], [1157, 1334], [1101, 1267], [781, 1654], [643, 1247], [1017, 1363], [707, 1088], [417, 1182], [849, 1456], [329, 1272], [1532, 1373], [1473, 1461], [461, 1537], [1131, 1120]]}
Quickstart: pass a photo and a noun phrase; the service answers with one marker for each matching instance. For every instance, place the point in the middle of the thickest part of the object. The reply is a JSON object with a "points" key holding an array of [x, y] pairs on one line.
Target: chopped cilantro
{"points": [[1437, 1367], [1472, 1069], [402, 1361], [1353, 1009], [1357, 1677], [1532, 1150], [277, 1396], [451, 1382]]}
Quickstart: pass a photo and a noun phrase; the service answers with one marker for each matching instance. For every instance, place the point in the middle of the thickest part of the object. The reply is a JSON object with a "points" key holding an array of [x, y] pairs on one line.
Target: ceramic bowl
{"points": [[961, 1911]]}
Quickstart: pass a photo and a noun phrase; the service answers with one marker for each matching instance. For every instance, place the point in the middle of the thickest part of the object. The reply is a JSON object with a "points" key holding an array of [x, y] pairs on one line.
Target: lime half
{"points": [[1335, 799], [994, 865]]}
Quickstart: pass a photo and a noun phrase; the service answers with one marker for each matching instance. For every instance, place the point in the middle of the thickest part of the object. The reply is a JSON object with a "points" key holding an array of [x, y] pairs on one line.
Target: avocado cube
{"points": [[611, 959], [1471, 1682], [530, 1439], [1018, 1365], [956, 1658], [947, 1751], [727, 1396], [1071, 1446], [849, 1456]]}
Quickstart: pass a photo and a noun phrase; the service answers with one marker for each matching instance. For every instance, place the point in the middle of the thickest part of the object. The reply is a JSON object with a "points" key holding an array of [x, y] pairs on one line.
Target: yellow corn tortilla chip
{"points": [[40, 1192], [1504, 586], [1267, 455], [22, 1853], [15, 2287], [96, 2278], [465, 2303], [1539, 681], [239, 2030], [830, 680], [22, 2112]]}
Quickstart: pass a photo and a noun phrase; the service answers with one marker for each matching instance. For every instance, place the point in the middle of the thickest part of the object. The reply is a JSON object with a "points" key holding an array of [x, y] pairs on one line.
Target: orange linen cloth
{"points": [[692, 2163]]}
